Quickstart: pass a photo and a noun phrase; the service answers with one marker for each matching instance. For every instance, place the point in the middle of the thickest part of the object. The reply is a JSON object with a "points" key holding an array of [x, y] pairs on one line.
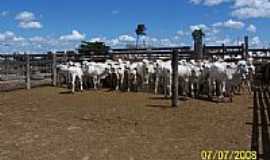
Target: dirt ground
{"points": [[51, 124]]}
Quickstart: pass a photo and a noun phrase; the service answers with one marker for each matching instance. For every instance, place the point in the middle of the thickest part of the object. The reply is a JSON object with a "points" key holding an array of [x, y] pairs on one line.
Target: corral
{"points": [[52, 123]]}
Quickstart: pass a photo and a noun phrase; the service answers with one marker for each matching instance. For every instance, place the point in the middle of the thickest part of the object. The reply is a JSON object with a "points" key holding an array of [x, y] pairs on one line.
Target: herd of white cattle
{"points": [[220, 78]]}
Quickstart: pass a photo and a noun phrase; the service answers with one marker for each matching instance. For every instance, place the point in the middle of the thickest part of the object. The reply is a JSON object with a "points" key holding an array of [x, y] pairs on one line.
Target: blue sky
{"points": [[39, 26]]}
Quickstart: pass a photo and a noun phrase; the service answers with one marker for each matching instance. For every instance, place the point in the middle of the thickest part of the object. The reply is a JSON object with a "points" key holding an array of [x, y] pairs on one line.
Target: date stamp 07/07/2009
{"points": [[228, 155]]}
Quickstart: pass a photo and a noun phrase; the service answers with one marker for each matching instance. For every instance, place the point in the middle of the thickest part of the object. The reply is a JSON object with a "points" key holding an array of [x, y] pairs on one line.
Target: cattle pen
{"points": [[51, 123]]}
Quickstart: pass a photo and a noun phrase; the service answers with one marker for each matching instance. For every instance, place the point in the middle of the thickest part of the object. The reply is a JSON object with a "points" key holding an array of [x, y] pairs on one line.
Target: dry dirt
{"points": [[50, 124]]}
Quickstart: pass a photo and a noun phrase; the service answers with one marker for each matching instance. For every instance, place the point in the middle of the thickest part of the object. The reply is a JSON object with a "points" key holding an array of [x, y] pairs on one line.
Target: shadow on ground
{"points": [[159, 106], [168, 98], [66, 92]]}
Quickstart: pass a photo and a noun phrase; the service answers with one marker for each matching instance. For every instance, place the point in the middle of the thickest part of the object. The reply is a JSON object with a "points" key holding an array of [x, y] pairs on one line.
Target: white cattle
{"points": [[74, 71], [221, 77], [158, 70], [217, 75], [167, 78], [188, 74], [97, 71], [117, 71]]}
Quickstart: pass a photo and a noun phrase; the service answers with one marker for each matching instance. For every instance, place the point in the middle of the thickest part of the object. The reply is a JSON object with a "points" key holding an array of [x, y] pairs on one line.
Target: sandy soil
{"points": [[51, 124]]}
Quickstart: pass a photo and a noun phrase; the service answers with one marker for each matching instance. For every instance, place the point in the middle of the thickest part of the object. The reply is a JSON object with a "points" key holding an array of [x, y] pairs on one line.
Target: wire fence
{"points": [[24, 71], [12, 72]]}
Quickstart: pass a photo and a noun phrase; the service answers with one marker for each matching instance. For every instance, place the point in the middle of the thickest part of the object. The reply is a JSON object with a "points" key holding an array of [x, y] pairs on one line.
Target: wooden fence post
{"points": [[28, 80], [6, 66], [175, 78], [54, 73]]}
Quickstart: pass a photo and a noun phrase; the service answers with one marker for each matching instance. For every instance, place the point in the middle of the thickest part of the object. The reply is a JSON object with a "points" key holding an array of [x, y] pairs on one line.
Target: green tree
{"points": [[198, 34], [93, 48]]}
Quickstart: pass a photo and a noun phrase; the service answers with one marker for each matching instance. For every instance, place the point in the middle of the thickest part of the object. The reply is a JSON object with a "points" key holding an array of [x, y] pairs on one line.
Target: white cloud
{"points": [[37, 39], [110, 42], [74, 36], [98, 39], [214, 40], [7, 36], [182, 33], [214, 2], [252, 28], [44, 44], [18, 39], [234, 24], [196, 1], [11, 41], [218, 24], [30, 24], [208, 30], [209, 2], [251, 8], [167, 42], [36, 44], [230, 24], [214, 31], [4, 13], [115, 12], [127, 38], [252, 12], [120, 41], [113, 42], [25, 16], [256, 41], [199, 26], [226, 41], [242, 8], [27, 20], [123, 41]]}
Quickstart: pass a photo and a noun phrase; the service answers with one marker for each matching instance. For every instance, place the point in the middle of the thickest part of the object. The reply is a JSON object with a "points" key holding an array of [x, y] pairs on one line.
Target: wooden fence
{"points": [[26, 71]]}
